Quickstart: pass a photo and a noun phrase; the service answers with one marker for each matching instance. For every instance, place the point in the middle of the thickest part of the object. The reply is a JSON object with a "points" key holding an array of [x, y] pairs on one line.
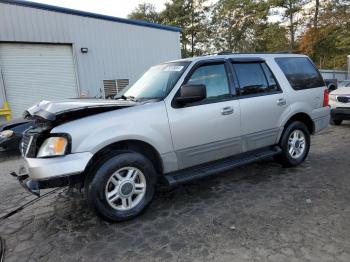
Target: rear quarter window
{"points": [[300, 72]]}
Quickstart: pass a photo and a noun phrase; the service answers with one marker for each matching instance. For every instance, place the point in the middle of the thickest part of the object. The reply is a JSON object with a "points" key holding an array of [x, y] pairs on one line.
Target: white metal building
{"points": [[50, 53]]}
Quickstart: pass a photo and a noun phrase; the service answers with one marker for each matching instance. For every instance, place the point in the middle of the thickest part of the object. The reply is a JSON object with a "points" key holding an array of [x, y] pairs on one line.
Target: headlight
{"points": [[332, 97], [6, 133], [53, 146]]}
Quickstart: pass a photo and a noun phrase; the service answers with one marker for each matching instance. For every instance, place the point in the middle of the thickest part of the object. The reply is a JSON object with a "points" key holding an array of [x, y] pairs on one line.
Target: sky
{"points": [[119, 8]]}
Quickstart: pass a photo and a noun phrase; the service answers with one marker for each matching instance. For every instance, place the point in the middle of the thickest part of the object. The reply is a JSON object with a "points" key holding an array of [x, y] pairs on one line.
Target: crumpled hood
{"points": [[51, 109], [341, 91]]}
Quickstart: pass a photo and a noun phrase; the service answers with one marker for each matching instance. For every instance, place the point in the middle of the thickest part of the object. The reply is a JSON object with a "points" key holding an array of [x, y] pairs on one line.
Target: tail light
{"points": [[325, 98]]}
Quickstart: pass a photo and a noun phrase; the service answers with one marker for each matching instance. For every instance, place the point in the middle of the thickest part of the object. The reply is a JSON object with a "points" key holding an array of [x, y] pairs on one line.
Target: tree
{"points": [[320, 29], [329, 43], [317, 9], [191, 16], [237, 23], [147, 12], [271, 37], [290, 10]]}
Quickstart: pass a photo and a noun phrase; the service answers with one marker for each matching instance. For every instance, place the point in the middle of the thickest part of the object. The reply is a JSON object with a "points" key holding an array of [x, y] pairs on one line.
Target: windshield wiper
{"points": [[129, 98]]}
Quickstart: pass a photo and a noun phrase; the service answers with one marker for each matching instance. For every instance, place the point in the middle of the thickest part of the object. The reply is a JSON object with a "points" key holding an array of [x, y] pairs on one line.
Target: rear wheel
{"points": [[121, 186], [295, 144], [336, 122]]}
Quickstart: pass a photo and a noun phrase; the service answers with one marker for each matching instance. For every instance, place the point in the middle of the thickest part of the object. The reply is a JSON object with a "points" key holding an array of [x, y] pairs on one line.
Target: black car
{"points": [[11, 135]]}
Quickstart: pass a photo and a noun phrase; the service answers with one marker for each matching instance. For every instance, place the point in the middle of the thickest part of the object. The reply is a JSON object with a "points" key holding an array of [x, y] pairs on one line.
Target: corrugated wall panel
{"points": [[116, 50]]}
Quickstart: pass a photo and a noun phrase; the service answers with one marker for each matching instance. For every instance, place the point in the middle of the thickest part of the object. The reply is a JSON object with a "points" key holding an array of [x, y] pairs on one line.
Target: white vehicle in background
{"points": [[339, 100]]}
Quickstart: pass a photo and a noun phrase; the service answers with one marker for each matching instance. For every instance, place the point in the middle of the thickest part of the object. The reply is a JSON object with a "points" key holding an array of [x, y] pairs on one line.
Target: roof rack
{"points": [[225, 53], [233, 53]]}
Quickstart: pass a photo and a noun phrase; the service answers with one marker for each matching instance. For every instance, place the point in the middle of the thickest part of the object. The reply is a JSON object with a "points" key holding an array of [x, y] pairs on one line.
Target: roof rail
{"points": [[225, 53], [232, 53]]}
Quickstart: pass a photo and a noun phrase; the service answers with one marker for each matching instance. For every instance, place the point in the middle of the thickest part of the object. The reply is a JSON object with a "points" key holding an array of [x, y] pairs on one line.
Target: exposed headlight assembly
{"points": [[53, 146]]}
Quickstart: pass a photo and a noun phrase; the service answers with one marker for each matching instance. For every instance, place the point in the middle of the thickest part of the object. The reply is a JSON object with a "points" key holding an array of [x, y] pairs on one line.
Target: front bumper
{"points": [[340, 113], [49, 168], [34, 186]]}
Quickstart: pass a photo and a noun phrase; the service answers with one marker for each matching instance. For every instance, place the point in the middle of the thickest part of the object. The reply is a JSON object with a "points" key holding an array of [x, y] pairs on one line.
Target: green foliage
{"points": [[290, 9], [145, 11], [272, 38], [322, 32], [242, 26], [192, 17]]}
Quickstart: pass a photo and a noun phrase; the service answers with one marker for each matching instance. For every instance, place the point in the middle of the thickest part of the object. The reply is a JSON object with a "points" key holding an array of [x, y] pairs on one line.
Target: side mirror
{"points": [[191, 93]]}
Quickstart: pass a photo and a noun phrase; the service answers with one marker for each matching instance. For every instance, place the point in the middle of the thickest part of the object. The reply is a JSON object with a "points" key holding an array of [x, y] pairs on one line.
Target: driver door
{"points": [[207, 130]]}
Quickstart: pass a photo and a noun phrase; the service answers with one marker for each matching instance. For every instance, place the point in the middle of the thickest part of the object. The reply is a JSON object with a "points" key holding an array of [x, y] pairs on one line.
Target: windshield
{"points": [[156, 83]]}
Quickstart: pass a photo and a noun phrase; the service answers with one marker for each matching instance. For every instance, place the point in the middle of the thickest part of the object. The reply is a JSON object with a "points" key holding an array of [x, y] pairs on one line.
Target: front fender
{"points": [[147, 123], [105, 137]]}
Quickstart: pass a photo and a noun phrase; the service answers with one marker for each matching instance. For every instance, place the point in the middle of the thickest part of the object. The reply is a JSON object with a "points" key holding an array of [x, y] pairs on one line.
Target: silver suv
{"points": [[181, 120]]}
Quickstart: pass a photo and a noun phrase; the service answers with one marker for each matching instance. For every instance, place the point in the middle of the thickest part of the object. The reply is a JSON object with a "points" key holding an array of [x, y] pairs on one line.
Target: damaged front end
{"points": [[30, 145], [56, 169]]}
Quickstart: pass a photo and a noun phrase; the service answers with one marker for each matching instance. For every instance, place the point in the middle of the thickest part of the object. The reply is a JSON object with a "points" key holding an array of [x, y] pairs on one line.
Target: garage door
{"points": [[35, 72]]}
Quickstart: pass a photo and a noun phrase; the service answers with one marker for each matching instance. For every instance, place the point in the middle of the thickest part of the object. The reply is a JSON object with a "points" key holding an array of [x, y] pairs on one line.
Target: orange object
{"points": [[60, 144]]}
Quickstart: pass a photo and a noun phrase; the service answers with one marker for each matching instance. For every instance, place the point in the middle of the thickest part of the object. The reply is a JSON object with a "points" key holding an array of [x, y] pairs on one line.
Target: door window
{"points": [[214, 77], [255, 78]]}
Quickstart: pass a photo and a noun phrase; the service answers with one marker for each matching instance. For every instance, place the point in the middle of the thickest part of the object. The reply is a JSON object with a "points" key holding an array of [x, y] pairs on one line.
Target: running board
{"points": [[220, 166]]}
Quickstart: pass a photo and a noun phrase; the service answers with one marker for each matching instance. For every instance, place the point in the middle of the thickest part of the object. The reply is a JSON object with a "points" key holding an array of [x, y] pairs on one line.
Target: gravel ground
{"points": [[260, 212]]}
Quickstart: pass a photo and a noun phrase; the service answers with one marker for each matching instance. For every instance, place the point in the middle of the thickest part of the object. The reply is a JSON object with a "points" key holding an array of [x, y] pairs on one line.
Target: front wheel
{"points": [[122, 186], [295, 144]]}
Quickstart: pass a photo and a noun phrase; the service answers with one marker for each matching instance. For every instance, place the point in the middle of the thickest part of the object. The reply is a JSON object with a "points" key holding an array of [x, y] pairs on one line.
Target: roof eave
{"points": [[91, 15]]}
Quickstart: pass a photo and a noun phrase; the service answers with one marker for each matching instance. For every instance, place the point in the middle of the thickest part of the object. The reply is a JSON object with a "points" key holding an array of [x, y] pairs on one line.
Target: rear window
{"points": [[300, 72]]}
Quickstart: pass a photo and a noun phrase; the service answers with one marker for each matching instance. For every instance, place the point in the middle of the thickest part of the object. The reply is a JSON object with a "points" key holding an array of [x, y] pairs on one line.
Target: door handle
{"points": [[281, 102], [227, 110]]}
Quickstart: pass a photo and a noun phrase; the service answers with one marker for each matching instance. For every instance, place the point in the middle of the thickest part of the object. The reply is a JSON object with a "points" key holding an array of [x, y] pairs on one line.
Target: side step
{"points": [[220, 166]]}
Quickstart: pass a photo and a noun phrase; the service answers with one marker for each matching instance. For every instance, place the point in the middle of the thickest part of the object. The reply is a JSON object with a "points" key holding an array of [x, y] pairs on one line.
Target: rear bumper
{"points": [[340, 113], [49, 168], [321, 118]]}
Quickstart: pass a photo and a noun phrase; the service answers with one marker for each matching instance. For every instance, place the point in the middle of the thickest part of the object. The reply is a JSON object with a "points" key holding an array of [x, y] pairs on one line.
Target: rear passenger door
{"points": [[262, 103]]}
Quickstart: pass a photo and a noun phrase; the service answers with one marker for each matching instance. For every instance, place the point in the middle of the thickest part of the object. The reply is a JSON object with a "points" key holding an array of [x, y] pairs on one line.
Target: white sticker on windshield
{"points": [[173, 68]]}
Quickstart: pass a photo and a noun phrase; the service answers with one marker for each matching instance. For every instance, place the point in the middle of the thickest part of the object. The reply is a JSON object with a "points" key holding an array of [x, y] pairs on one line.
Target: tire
{"points": [[109, 177], [298, 155], [336, 122]]}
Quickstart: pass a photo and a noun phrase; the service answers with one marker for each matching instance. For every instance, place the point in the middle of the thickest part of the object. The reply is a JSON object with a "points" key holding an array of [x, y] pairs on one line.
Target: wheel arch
{"points": [[134, 145], [304, 118]]}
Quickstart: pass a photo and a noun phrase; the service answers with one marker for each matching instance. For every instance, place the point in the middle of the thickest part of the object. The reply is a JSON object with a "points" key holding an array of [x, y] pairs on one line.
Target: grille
{"points": [[343, 99], [28, 145], [25, 144]]}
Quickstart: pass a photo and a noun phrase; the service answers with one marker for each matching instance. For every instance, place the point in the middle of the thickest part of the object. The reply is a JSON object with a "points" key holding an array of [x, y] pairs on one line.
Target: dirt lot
{"points": [[260, 212]]}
